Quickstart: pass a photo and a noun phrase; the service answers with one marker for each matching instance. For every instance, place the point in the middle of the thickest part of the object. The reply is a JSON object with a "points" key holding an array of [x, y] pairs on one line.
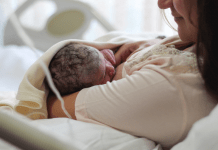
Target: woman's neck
{"points": [[191, 48]]}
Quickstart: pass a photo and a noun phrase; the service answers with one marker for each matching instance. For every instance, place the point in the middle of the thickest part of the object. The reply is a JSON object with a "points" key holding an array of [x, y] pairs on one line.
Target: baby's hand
{"points": [[126, 49]]}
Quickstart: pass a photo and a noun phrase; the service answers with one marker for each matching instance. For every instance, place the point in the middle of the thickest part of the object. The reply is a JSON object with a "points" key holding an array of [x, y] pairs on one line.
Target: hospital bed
{"points": [[70, 20], [18, 131]]}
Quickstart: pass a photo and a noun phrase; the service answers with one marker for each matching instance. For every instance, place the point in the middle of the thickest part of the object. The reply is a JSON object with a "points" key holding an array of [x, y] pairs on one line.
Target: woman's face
{"points": [[185, 15]]}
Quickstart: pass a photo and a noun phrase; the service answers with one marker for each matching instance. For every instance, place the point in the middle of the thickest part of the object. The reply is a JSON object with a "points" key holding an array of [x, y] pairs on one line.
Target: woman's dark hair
{"points": [[207, 44]]}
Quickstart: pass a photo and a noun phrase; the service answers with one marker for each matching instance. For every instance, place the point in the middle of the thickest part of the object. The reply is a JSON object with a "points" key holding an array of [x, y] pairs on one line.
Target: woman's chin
{"points": [[186, 36]]}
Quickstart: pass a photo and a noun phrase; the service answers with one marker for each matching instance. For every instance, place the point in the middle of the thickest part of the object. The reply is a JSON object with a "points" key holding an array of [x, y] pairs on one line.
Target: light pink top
{"points": [[159, 97]]}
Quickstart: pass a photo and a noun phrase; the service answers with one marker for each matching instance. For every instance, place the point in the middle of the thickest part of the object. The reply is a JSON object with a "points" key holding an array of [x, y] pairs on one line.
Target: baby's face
{"points": [[106, 68]]}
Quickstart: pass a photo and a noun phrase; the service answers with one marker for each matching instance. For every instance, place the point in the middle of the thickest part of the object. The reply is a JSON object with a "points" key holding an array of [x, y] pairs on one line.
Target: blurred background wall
{"points": [[131, 16]]}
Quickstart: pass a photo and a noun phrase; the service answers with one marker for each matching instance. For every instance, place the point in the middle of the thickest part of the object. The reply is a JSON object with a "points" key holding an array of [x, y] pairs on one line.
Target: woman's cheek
{"points": [[180, 8]]}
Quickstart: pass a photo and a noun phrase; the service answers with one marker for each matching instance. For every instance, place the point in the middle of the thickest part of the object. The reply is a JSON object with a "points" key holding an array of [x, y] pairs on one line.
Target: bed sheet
{"points": [[92, 136], [87, 136]]}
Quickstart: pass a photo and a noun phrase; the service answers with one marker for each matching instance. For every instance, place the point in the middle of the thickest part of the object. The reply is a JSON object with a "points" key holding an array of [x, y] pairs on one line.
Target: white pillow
{"points": [[203, 135]]}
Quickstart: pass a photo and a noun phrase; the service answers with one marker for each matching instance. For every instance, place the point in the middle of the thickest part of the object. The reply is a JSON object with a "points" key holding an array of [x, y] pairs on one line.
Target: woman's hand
{"points": [[126, 49], [118, 74], [55, 109]]}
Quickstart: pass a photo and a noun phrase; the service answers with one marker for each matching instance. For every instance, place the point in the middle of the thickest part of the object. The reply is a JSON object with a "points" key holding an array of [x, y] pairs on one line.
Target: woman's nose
{"points": [[164, 4]]}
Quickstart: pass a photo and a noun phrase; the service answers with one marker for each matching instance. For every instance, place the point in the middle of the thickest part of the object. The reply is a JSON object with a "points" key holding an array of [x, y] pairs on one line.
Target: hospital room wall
{"points": [[138, 16]]}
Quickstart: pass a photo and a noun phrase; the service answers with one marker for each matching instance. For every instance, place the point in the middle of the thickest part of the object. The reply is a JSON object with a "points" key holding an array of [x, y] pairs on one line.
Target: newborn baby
{"points": [[77, 66]]}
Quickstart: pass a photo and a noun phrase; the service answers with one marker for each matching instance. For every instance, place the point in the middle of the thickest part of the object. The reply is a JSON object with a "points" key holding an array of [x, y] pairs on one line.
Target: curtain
{"points": [[131, 16]]}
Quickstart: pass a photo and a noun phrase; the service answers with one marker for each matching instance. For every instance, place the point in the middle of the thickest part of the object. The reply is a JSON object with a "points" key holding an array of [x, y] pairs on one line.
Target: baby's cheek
{"points": [[99, 76]]}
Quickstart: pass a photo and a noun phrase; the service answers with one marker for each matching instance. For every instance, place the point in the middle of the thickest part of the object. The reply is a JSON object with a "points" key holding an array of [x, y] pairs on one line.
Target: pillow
{"points": [[203, 134]]}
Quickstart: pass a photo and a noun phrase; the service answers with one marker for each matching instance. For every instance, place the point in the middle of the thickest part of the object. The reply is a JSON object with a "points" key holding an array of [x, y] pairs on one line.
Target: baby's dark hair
{"points": [[74, 67]]}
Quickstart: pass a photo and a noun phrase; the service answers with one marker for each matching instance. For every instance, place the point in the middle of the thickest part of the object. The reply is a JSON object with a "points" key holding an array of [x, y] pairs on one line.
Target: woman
{"points": [[163, 92]]}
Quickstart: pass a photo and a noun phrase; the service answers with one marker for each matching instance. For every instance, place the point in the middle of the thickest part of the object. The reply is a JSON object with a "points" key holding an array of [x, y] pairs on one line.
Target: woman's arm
{"points": [[118, 74], [145, 104], [54, 106]]}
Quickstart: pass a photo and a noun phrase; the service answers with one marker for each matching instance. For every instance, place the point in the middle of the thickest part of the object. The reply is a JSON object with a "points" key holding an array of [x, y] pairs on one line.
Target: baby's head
{"points": [[77, 66]]}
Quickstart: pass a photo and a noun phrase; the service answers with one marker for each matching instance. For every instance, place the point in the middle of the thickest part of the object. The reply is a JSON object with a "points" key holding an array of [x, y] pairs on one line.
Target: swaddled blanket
{"points": [[32, 94]]}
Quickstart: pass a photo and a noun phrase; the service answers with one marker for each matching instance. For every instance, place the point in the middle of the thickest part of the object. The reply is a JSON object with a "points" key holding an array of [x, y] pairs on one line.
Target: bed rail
{"points": [[18, 131]]}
